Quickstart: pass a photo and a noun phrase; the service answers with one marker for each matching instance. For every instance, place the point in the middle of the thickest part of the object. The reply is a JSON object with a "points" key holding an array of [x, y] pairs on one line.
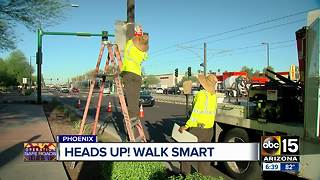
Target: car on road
{"points": [[172, 90], [146, 99], [106, 90], [159, 91], [65, 90], [75, 90], [195, 90]]}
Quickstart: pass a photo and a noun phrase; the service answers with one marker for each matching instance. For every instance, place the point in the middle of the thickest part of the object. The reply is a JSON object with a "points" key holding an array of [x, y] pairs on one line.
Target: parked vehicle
{"points": [[172, 90], [75, 90], [194, 90], [65, 90], [106, 90], [159, 91]]}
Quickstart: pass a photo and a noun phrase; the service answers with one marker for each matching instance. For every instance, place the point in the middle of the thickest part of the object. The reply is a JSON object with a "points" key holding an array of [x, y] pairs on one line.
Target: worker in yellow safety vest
{"points": [[135, 53], [202, 119]]}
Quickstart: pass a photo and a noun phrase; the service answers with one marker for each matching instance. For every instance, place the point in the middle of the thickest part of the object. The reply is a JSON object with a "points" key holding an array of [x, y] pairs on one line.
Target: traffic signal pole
{"points": [[40, 34], [39, 63], [187, 95], [205, 59], [130, 18], [176, 74]]}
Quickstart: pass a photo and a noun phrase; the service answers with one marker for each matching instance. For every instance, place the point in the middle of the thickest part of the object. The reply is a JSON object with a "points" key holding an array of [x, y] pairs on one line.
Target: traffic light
{"points": [[189, 71], [176, 72], [104, 35]]}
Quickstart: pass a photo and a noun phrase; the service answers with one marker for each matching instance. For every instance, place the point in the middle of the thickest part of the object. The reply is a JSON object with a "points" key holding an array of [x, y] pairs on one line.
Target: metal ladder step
{"points": [[139, 138], [103, 75], [134, 123]]}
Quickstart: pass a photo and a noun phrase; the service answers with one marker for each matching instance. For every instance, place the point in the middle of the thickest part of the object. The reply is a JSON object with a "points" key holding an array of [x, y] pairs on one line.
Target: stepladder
{"points": [[134, 130]]}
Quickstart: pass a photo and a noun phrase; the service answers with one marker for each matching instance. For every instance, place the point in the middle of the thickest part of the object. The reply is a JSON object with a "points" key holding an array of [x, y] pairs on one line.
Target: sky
{"points": [[234, 31]]}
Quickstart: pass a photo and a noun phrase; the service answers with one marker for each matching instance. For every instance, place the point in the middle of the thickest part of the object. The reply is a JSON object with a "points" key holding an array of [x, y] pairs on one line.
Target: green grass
{"points": [[145, 170], [77, 124]]}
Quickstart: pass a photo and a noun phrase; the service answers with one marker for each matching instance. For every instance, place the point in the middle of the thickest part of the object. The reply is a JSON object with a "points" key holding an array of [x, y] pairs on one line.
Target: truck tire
{"points": [[240, 169]]}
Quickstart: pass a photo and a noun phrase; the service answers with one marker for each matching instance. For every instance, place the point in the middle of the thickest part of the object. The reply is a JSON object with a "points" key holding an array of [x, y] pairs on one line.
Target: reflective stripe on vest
{"points": [[203, 112]]}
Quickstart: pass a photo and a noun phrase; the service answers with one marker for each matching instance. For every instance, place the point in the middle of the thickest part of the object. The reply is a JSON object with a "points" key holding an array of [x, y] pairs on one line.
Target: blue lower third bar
{"points": [[77, 138], [290, 167]]}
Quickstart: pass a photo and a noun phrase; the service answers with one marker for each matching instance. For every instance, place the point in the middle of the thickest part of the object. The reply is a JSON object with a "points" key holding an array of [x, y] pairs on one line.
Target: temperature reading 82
{"points": [[289, 166]]}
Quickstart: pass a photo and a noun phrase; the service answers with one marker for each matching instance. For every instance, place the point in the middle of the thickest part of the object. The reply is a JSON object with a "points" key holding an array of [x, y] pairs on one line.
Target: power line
{"points": [[231, 51], [252, 46], [221, 55], [237, 35], [258, 30], [233, 30], [232, 54]]}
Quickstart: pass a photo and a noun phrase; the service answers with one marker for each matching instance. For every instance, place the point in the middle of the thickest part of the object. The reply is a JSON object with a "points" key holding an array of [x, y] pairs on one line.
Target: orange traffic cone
{"points": [[109, 107], [78, 104], [141, 113]]}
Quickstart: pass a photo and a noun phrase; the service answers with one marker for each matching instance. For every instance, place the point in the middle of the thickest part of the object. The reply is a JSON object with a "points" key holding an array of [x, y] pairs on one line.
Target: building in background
{"points": [[167, 80]]}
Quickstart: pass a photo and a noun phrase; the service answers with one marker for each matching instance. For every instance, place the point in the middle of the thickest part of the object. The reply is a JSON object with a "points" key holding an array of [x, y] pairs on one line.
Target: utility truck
{"points": [[280, 107]]}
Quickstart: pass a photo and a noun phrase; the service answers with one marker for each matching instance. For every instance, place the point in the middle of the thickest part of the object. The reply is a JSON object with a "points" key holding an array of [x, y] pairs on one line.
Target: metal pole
{"points": [[39, 63], [30, 74], [267, 46], [205, 59], [268, 63], [175, 85], [130, 11], [130, 18], [187, 105]]}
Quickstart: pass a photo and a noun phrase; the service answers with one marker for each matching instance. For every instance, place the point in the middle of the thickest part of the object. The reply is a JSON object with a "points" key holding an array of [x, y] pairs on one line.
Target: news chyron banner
{"points": [[86, 148], [280, 153]]}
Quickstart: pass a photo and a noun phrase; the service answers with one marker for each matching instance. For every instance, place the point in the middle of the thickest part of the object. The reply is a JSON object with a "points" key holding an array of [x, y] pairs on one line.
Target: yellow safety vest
{"points": [[204, 110], [133, 58]]}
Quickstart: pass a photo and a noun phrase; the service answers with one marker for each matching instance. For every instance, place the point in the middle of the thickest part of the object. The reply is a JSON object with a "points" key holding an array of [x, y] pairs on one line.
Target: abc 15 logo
{"points": [[279, 145]]}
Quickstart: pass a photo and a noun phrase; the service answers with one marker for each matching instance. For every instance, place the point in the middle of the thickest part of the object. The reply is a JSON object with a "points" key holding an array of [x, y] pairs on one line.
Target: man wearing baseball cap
{"points": [[202, 119], [135, 53]]}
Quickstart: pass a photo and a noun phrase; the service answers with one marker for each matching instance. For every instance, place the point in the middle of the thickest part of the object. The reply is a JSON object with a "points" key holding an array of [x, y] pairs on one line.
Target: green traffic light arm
{"points": [[86, 34], [40, 33]]}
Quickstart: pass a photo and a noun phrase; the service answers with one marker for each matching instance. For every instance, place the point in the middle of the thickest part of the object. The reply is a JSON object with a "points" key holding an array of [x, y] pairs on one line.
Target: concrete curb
{"points": [[171, 101]]}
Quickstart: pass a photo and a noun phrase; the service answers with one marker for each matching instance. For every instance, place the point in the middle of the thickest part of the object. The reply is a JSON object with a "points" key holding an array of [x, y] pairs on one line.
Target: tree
{"points": [[265, 69], [32, 14], [18, 67], [185, 78], [5, 79], [266, 72], [14, 68], [248, 70], [150, 80], [256, 73]]}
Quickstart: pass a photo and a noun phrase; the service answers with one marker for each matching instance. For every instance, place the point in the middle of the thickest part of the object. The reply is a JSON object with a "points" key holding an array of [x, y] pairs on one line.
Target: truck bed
{"points": [[236, 115]]}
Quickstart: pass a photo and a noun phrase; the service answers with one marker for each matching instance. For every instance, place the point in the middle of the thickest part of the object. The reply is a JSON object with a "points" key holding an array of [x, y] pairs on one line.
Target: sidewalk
{"points": [[21, 122]]}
